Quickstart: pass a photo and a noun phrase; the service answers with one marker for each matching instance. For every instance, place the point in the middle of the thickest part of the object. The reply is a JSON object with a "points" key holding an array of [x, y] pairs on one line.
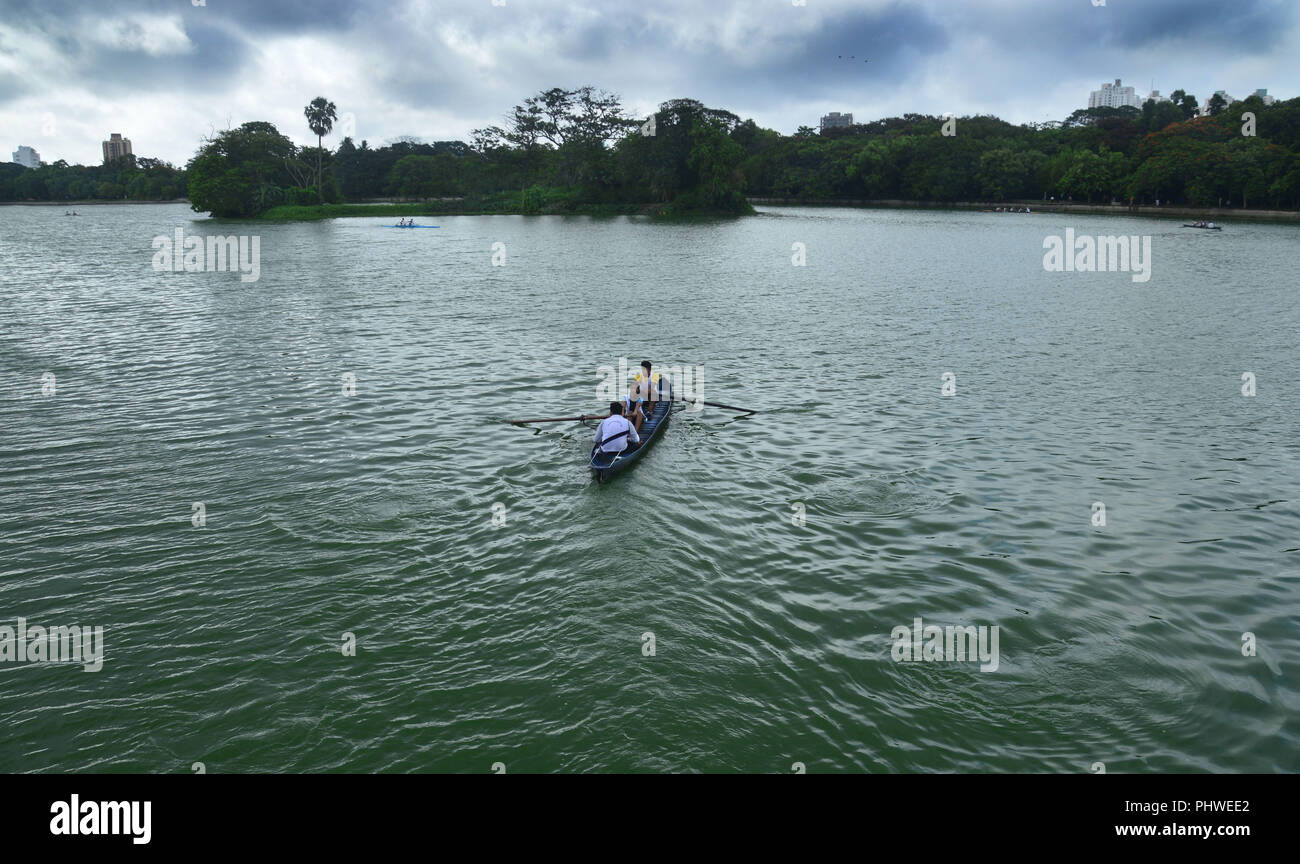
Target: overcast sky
{"points": [[165, 74]]}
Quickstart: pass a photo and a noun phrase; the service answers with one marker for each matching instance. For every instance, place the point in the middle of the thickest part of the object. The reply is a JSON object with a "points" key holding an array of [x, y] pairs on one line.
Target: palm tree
{"points": [[320, 115]]}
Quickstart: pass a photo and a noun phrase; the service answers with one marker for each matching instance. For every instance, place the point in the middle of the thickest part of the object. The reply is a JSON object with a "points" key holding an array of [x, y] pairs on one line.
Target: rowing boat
{"points": [[1205, 227], [410, 226], [605, 465]]}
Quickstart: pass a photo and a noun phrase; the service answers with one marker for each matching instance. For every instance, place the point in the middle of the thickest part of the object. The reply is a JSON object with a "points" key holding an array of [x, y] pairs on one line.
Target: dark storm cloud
{"points": [[252, 16], [215, 61], [603, 47], [1078, 27], [854, 47], [221, 34]]}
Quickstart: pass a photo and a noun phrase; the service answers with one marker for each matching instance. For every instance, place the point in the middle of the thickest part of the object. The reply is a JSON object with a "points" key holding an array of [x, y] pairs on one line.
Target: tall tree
{"points": [[320, 114], [1186, 102]]}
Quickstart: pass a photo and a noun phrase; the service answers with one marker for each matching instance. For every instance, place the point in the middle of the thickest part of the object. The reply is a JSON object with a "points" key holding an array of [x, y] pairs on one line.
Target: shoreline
{"points": [[439, 207], [89, 203], [1215, 214], [497, 205]]}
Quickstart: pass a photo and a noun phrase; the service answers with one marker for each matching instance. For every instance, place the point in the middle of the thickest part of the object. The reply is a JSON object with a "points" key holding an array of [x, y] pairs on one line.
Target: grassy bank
{"points": [[535, 201]]}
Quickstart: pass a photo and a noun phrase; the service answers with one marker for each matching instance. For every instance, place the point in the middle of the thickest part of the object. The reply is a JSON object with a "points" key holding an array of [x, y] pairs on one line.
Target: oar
{"points": [[562, 419], [718, 405]]}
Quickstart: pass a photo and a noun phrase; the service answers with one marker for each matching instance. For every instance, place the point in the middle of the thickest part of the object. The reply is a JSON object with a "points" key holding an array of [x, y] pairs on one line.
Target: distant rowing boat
{"points": [[408, 226], [1205, 227]]}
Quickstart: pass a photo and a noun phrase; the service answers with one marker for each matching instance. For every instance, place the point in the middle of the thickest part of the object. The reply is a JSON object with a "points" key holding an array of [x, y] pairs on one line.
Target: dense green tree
{"points": [[425, 176], [228, 176], [1158, 115], [715, 158], [1186, 102]]}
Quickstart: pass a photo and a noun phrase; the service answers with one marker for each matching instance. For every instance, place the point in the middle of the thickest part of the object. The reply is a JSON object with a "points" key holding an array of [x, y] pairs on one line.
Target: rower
{"points": [[646, 384], [652, 388], [615, 433], [632, 403]]}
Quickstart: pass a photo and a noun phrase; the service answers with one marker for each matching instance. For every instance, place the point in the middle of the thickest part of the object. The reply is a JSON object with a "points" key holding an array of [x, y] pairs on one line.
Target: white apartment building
{"points": [[1113, 96], [1227, 98], [836, 120], [27, 157]]}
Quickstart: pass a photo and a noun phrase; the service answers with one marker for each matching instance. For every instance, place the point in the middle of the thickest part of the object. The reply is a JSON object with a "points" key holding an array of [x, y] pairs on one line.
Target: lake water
{"points": [[379, 514]]}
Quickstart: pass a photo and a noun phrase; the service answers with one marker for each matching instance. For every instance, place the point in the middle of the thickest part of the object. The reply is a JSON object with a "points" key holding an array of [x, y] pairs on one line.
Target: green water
{"points": [[522, 643]]}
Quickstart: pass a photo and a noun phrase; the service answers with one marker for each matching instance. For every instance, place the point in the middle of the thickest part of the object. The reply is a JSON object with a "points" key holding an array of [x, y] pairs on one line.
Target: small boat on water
{"points": [[1205, 227], [605, 465]]}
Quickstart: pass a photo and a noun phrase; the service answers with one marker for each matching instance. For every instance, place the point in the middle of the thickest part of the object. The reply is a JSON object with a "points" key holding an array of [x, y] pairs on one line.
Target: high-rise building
{"points": [[1113, 96], [116, 147], [1228, 99], [1154, 96], [1263, 94], [27, 157], [836, 120]]}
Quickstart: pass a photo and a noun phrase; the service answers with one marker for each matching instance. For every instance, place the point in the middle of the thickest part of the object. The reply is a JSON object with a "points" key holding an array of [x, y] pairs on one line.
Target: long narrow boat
{"points": [[605, 465], [1205, 227]]}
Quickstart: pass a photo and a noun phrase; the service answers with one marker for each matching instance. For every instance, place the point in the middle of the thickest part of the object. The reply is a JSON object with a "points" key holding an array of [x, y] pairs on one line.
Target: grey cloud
{"points": [[1005, 54]]}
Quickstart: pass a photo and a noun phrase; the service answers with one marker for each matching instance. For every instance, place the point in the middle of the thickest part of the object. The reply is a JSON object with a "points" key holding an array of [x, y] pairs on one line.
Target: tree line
{"points": [[127, 178], [690, 157], [1160, 152], [573, 150]]}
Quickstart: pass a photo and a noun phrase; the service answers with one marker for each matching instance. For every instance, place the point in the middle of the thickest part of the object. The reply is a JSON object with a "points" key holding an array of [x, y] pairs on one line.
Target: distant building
{"points": [[1154, 96], [116, 147], [27, 157], [1113, 96], [1228, 100], [836, 120], [1263, 94]]}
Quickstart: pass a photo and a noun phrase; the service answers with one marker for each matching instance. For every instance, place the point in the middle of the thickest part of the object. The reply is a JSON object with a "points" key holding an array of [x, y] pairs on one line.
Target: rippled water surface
{"points": [[522, 643]]}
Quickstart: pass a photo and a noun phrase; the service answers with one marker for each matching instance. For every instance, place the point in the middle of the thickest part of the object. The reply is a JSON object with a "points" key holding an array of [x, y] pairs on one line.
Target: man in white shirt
{"points": [[615, 433]]}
